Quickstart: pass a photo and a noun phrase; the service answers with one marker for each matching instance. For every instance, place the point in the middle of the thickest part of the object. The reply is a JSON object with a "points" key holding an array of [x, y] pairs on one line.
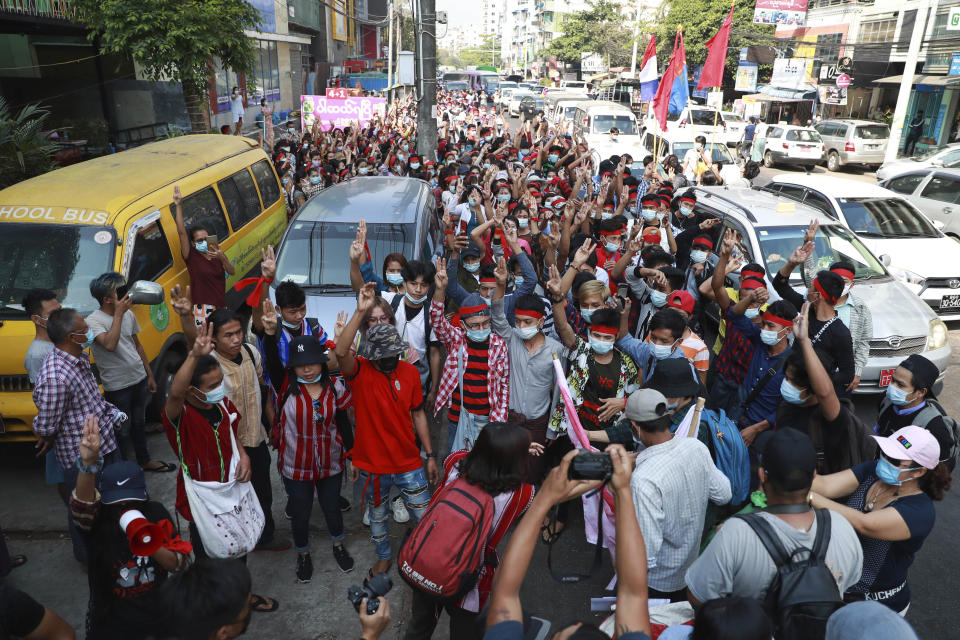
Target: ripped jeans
{"points": [[416, 495]]}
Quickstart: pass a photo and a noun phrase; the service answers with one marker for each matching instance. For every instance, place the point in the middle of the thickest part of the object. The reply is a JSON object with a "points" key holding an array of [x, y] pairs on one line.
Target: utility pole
{"points": [[390, 48], [906, 82], [426, 26]]}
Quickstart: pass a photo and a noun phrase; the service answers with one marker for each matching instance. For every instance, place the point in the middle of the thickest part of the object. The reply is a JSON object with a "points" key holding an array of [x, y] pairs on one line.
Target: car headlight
{"points": [[907, 277], [938, 335]]}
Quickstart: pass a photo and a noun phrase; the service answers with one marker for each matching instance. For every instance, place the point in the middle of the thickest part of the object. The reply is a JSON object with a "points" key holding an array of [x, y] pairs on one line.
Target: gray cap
{"points": [[382, 341], [868, 620], [645, 405]]}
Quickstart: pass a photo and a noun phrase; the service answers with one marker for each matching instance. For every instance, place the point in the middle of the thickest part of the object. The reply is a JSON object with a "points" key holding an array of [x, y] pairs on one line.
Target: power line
{"points": [[51, 64]]}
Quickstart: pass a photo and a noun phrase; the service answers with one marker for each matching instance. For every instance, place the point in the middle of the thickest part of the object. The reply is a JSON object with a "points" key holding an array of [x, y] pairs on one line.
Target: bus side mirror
{"points": [[146, 292]]}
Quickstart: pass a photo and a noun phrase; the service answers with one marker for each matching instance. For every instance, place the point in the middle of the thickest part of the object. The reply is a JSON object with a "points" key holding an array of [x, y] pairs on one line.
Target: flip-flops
{"points": [[166, 467], [260, 604]]}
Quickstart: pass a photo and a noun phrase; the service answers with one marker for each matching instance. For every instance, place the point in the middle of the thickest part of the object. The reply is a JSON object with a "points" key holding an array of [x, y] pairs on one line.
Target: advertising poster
{"points": [[832, 94], [784, 12], [339, 20], [747, 75], [342, 112], [790, 73]]}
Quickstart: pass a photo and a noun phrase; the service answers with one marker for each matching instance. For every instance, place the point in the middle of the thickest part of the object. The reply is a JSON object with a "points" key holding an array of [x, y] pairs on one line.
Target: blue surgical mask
{"points": [[897, 396], [524, 222], [88, 338], [394, 278], [517, 281], [453, 188], [600, 346], [888, 473], [488, 301], [769, 337], [314, 179], [686, 212], [526, 332], [201, 246], [586, 314], [672, 406], [751, 312], [658, 298], [606, 215], [305, 381], [414, 165], [416, 300], [698, 256], [363, 171], [661, 351], [214, 395], [553, 158], [611, 247], [478, 335], [473, 267], [649, 215], [503, 197], [291, 325], [790, 393], [522, 153]]}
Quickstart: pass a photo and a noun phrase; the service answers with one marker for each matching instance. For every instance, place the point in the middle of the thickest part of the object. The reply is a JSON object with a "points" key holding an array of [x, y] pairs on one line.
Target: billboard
{"points": [[342, 112], [790, 73], [747, 75], [591, 62], [782, 12], [832, 94]]}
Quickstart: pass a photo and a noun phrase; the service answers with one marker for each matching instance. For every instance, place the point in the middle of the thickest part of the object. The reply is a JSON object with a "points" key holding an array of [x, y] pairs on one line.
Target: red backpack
{"points": [[444, 553]]}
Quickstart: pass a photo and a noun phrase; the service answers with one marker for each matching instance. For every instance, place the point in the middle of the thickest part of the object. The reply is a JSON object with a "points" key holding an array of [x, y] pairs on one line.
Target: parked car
{"points": [[593, 120], [574, 86], [733, 126], [513, 106], [502, 99], [788, 144], [314, 249], [936, 192], [915, 251], [772, 227], [947, 157], [859, 142], [701, 119]]}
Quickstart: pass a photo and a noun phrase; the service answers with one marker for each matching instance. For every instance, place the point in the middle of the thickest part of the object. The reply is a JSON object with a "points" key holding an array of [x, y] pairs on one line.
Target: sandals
{"points": [[165, 467], [550, 532], [263, 604]]}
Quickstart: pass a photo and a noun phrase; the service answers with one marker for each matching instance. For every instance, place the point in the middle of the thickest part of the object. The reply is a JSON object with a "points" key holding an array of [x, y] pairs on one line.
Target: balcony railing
{"points": [[58, 9]]}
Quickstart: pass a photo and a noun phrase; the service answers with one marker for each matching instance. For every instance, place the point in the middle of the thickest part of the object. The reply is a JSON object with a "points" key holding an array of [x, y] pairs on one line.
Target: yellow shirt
{"points": [[734, 296]]}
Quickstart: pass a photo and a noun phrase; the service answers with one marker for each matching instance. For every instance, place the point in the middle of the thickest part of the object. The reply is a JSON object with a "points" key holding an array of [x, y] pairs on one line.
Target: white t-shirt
{"points": [[236, 106], [412, 331], [690, 159], [121, 367]]}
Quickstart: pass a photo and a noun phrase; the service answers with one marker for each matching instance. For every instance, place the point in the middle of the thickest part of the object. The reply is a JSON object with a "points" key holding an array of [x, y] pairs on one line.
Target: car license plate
{"points": [[886, 377], [950, 302]]}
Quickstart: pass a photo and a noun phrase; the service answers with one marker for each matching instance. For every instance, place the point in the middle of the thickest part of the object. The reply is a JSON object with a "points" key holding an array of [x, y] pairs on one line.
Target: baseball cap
{"points": [[681, 299], [911, 443], [924, 372], [122, 481], [306, 350], [645, 405], [789, 459]]}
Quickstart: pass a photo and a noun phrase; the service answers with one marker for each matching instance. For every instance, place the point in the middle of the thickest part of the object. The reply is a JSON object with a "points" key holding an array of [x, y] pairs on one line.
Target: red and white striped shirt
{"points": [[311, 446]]}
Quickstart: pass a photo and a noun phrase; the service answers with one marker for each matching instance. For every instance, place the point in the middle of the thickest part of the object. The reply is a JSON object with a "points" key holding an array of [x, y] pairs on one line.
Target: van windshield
{"points": [[62, 258], [317, 255], [603, 124]]}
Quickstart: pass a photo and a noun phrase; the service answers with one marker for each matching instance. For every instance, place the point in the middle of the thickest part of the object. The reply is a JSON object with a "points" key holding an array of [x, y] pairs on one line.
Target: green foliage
{"points": [[24, 151], [700, 20], [600, 29], [486, 54], [174, 39]]}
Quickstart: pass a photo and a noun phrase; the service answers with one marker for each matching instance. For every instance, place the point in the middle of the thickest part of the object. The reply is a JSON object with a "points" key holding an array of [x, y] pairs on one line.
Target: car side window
{"points": [[792, 191], [203, 208], [818, 201], [240, 197], [267, 181], [775, 132], [942, 189], [151, 254], [905, 184], [952, 159]]}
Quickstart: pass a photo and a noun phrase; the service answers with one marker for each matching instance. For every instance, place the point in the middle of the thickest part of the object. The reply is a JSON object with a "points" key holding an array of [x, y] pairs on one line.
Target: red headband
{"points": [[751, 284], [614, 232], [843, 272], [826, 296], [744, 273], [610, 331], [685, 199], [769, 317], [703, 242], [488, 280], [466, 311], [528, 313]]}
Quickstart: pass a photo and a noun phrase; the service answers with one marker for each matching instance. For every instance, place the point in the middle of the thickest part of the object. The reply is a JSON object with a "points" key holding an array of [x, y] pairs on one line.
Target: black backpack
{"points": [[803, 593]]}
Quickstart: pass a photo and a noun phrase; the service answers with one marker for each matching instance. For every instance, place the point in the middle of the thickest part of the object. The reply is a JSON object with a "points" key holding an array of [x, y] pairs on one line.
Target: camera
{"points": [[591, 466], [372, 588]]}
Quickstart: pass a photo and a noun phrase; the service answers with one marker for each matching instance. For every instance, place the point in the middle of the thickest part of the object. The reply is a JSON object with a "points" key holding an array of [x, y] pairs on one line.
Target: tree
{"points": [[24, 151], [488, 53], [700, 19], [175, 40], [600, 29]]}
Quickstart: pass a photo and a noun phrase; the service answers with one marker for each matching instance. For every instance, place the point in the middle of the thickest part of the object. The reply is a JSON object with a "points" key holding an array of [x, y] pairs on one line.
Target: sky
{"points": [[459, 12]]}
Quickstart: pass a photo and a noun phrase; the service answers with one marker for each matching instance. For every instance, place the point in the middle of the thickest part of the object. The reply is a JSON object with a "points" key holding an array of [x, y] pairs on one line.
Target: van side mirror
{"points": [[885, 260], [146, 292]]}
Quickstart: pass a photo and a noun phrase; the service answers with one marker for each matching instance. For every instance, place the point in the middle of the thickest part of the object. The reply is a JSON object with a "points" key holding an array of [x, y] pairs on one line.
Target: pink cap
{"points": [[911, 443]]}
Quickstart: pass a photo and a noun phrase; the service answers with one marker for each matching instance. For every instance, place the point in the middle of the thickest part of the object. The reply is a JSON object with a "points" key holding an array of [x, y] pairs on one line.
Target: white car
{"points": [[934, 191], [787, 144], [503, 98], [912, 246], [574, 86], [513, 106], [733, 126], [700, 120], [947, 156]]}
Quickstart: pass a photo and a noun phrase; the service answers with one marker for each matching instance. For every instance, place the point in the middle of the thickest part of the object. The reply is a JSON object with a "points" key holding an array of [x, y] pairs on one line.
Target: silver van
{"points": [[401, 216], [853, 142]]}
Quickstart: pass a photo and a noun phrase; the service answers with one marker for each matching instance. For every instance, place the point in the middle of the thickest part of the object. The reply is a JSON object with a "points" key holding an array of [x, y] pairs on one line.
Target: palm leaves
{"points": [[24, 151]]}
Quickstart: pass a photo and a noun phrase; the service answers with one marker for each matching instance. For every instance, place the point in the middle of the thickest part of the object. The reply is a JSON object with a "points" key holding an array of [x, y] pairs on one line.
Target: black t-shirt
{"points": [[892, 419], [829, 436], [602, 384], [20, 614]]}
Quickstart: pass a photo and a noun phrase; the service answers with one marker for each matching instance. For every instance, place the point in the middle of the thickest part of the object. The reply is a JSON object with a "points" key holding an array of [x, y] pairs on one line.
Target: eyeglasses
{"points": [[473, 326]]}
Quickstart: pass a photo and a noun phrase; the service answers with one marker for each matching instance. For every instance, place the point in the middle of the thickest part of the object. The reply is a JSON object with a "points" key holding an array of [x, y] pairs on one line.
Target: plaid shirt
{"points": [[311, 446], [498, 376], [65, 393], [736, 353]]}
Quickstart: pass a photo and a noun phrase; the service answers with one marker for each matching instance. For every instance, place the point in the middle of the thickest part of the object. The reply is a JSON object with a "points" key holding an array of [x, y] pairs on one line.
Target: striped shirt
{"points": [[311, 446], [475, 399]]}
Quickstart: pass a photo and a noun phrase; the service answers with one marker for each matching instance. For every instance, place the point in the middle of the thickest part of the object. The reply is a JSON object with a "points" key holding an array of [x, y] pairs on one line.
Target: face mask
{"points": [[214, 395], [488, 138], [698, 256], [388, 365], [661, 216], [503, 197], [553, 158], [487, 301], [611, 247], [649, 214], [526, 333], [291, 131], [286, 181], [314, 179], [661, 351], [394, 278], [472, 267], [478, 335], [414, 165], [518, 280], [201, 246], [401, 157], [672, 406], [291, 325], [686, 212], [658, 298], [305, 381], [474, 204], [751, 313], [606, 215], [453, 188], [522, 154], [600, 346], [524, 223], [897, 396], [846, 290], [88, 338], [415, 300], [790, 393], [586, 314], [699, 147], [363, 171], [769, 337], [889, 473]]}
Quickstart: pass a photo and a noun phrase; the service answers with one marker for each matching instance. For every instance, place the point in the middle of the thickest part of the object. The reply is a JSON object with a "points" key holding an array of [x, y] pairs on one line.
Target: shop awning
{"points": [[936, 81], [783, 94]]}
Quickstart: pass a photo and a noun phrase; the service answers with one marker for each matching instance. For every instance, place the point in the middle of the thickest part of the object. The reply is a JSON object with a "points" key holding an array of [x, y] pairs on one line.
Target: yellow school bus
{"points": [[61, 230]]}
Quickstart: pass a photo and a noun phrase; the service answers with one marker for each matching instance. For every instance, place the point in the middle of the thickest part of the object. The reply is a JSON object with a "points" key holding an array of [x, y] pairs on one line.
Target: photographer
{"points": [[505, 619], [123, 585]]}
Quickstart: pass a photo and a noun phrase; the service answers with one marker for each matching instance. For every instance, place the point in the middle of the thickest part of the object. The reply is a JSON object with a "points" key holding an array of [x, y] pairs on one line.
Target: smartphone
{"points": [[212, 241]]}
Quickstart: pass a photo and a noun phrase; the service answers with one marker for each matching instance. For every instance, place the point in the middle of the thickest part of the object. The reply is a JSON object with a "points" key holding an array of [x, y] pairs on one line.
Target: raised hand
{"points": [[90, 441], [584, 251], [339, 325], [181, 302], [553, 284], [268, 262], [177, 197], [366, 297], [709, 223], [811, 231], [500, 272], [729, 241], [269, 318], [440, 280], [802, 253], [203, 345], [801, 323]]}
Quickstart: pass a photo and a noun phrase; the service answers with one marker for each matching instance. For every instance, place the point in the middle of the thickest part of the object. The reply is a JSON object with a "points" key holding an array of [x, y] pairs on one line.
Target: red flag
{"points": [[676, 67], [712, 74]]}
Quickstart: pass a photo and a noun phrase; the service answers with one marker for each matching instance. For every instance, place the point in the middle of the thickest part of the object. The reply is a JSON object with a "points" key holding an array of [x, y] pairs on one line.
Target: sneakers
{"points": [[304, 568], [344, 504], [400, 513], [343, 558], [286, 512], [366, 516]]}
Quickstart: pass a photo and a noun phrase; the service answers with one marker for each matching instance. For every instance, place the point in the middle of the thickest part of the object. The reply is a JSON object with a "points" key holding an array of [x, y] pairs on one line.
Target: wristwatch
{"points": [[432, 454]]}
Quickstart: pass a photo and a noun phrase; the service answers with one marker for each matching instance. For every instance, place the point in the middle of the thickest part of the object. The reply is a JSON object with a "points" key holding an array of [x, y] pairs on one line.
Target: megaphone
{"points": [[145, 537]]}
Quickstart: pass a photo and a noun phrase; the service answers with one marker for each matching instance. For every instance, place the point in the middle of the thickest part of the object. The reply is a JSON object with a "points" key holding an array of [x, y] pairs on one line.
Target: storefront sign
{"points": [[843, 80], [954, 65], [953, 20], [830, 94], [785, 12], [789, 73], [591, 62], [747, 73], [341, 112]]}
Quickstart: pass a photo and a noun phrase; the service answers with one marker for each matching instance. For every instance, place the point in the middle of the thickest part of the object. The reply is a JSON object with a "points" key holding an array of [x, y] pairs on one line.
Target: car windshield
{"points": [[885, 218], [803, 135], [934, 151], [490, 83], [732, 117], [64, 259], [832, 244], [317, 254], [720, 151], [603, 123], [872, 132], [456, 86]]}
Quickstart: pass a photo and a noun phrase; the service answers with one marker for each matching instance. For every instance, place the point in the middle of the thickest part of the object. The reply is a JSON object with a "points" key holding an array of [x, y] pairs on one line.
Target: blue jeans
{"points": [[300, 493], [70, 480], [416, 495], [132, 401]]}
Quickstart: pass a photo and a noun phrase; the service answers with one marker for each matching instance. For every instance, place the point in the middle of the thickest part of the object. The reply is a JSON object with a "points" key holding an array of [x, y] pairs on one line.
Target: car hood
{"points": [[895, 310], [888, 170], [926, 257]]}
